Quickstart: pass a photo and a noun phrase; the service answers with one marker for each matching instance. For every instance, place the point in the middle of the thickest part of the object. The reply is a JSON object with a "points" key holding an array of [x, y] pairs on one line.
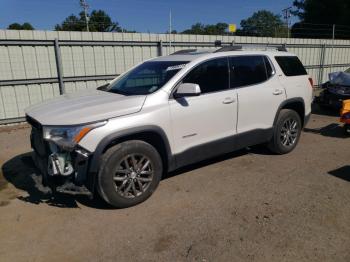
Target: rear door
{"points": [[258, 89], [295, 79]]}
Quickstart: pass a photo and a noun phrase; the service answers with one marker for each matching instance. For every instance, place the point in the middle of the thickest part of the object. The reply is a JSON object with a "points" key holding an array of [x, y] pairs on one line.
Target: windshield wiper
{"points": [[119, 92]]}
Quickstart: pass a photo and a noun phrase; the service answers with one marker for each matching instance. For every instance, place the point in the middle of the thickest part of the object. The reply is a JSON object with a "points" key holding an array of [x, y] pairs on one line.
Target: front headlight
{"points": [[68, 136]]}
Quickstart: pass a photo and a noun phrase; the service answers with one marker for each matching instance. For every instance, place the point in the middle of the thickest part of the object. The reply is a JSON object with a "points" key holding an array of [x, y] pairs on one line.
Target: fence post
{"points": [[59, 67], [160, 48], [333, 37], [322, 60]]}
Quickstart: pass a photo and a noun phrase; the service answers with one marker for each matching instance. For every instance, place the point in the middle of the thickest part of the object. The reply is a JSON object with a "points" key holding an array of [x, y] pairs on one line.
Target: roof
{"points": [[186, 56], [191, 56]]}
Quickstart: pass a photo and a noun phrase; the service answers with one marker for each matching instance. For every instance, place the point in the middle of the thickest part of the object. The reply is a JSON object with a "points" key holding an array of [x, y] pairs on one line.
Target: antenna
{"points": [[85, 6]]}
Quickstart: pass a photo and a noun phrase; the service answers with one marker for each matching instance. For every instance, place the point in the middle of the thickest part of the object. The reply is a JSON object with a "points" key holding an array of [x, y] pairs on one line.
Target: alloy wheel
{"points": [[133, 175], [289, 132]]}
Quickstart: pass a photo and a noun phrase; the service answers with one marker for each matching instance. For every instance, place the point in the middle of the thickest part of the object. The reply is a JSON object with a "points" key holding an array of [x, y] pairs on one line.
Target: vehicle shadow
{"points": [[21, 172], [342, 173], [324, 111], [331, 130], [258, 150]]}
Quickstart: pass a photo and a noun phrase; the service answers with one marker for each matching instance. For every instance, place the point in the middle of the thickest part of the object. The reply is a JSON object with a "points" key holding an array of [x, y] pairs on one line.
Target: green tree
{"points": [[201, 29], [323, 11], [306, 30], [195, 29], [318, 16], [218, 29], [261, 23], [17, 26], [99, 21], [27, 26], [71, 23]]}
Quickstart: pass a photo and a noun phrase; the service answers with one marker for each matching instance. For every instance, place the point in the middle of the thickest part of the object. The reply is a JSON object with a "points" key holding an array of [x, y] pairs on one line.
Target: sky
{"points": [[140, 15]]}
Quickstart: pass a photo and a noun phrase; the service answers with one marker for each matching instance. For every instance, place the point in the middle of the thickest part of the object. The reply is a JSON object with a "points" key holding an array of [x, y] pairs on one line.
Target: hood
{"points": [[84, 107], [339, 78]]}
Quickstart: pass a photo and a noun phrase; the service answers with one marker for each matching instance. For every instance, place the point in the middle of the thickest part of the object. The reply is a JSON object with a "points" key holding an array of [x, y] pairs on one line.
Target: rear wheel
{"points": [[130, 172], [287, 132]]}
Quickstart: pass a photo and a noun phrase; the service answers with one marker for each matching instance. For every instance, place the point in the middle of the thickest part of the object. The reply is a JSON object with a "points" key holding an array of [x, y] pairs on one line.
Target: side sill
{"points": [[223, 146]]}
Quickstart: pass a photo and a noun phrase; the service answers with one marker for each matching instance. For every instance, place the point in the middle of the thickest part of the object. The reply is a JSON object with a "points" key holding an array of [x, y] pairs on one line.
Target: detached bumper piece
{"points": [[63, 171], [72, 189]]}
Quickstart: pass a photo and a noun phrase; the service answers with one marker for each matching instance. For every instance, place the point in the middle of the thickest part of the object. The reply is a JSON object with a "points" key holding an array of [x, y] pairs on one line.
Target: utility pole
{"points": [[170, 25], [286, 16], [85, 7], [333, 37]]}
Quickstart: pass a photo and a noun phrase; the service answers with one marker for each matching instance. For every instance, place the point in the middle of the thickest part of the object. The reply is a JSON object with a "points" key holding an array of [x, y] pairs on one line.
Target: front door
{"points": [[202, 124]]}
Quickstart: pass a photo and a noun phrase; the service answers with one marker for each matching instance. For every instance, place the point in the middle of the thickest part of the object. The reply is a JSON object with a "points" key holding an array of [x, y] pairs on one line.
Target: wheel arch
{"points": [[297, 104], [153, 135]]}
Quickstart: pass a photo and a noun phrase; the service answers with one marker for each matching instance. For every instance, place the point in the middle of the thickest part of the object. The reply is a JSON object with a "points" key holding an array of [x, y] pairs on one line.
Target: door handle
{"points": [[278, 92], [228, 100]]}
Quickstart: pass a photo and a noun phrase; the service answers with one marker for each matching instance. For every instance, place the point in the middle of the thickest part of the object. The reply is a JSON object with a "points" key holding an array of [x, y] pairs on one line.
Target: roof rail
{"points": [[193, 52], [185, 51], [233, 47], [229, 48], [282, 48]]}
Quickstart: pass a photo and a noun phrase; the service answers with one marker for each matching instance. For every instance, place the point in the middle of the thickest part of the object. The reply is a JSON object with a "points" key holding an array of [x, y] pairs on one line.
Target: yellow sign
{"points": [[232, 28]]}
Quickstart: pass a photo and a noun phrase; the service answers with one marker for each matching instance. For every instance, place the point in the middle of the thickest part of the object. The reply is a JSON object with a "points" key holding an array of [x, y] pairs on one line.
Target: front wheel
{"points": [[287, 132], [130, 172]]}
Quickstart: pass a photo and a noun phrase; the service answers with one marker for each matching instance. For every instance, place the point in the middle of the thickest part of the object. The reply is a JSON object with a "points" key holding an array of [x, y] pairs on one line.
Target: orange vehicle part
{"points": [[345, 112]]}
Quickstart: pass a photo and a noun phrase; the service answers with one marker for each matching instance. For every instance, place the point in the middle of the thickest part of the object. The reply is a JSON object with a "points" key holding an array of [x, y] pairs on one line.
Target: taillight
{"points": [[311, 82]]}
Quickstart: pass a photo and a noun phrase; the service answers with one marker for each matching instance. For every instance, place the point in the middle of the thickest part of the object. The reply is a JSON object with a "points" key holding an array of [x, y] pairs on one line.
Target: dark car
{"points": [[335, 90]]}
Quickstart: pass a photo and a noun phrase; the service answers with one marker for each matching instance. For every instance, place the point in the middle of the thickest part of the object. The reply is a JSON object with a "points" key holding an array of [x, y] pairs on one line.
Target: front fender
{"points": [[108, 140]]}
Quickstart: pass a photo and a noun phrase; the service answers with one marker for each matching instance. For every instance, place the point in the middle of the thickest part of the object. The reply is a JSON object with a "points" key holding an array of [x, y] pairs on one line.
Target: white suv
{"points": [[166, 113]]}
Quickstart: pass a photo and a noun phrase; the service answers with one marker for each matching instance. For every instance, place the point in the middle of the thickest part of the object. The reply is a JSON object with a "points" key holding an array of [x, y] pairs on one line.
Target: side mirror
{"points": [[187, 89]]}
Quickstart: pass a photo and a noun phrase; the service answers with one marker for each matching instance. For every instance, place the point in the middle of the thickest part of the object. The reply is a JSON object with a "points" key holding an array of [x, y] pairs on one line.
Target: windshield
{"points": [[146, 78]]}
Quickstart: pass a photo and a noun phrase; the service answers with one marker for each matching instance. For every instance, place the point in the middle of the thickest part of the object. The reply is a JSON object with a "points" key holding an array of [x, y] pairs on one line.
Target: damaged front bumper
{"points": [[63, 170], [333, 95]]}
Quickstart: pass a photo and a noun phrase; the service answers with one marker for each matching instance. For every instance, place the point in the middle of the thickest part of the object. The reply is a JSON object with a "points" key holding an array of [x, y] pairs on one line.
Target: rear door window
{"points": [[247, 70], [291, 65]]}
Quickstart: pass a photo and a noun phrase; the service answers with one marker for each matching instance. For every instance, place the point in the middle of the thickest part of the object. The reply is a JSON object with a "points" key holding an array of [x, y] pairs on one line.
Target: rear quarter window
{"points": [[291, 65]]}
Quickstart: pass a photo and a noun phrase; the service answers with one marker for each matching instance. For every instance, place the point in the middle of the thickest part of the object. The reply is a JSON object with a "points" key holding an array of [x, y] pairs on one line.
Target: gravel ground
{"points": [[245, 206]]}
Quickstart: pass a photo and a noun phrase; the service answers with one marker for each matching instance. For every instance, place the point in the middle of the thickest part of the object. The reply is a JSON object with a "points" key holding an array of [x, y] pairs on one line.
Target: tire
{"points": [[346, 129], [286, 132], [125, 179]]}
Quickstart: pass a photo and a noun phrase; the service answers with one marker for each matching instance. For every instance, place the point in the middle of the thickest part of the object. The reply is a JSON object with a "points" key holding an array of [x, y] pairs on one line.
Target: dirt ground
{"points": [[245, 206]]}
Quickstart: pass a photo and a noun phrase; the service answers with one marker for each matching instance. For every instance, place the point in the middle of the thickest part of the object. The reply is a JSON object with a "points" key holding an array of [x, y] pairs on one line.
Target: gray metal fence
{"points": [[39, 65]]}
